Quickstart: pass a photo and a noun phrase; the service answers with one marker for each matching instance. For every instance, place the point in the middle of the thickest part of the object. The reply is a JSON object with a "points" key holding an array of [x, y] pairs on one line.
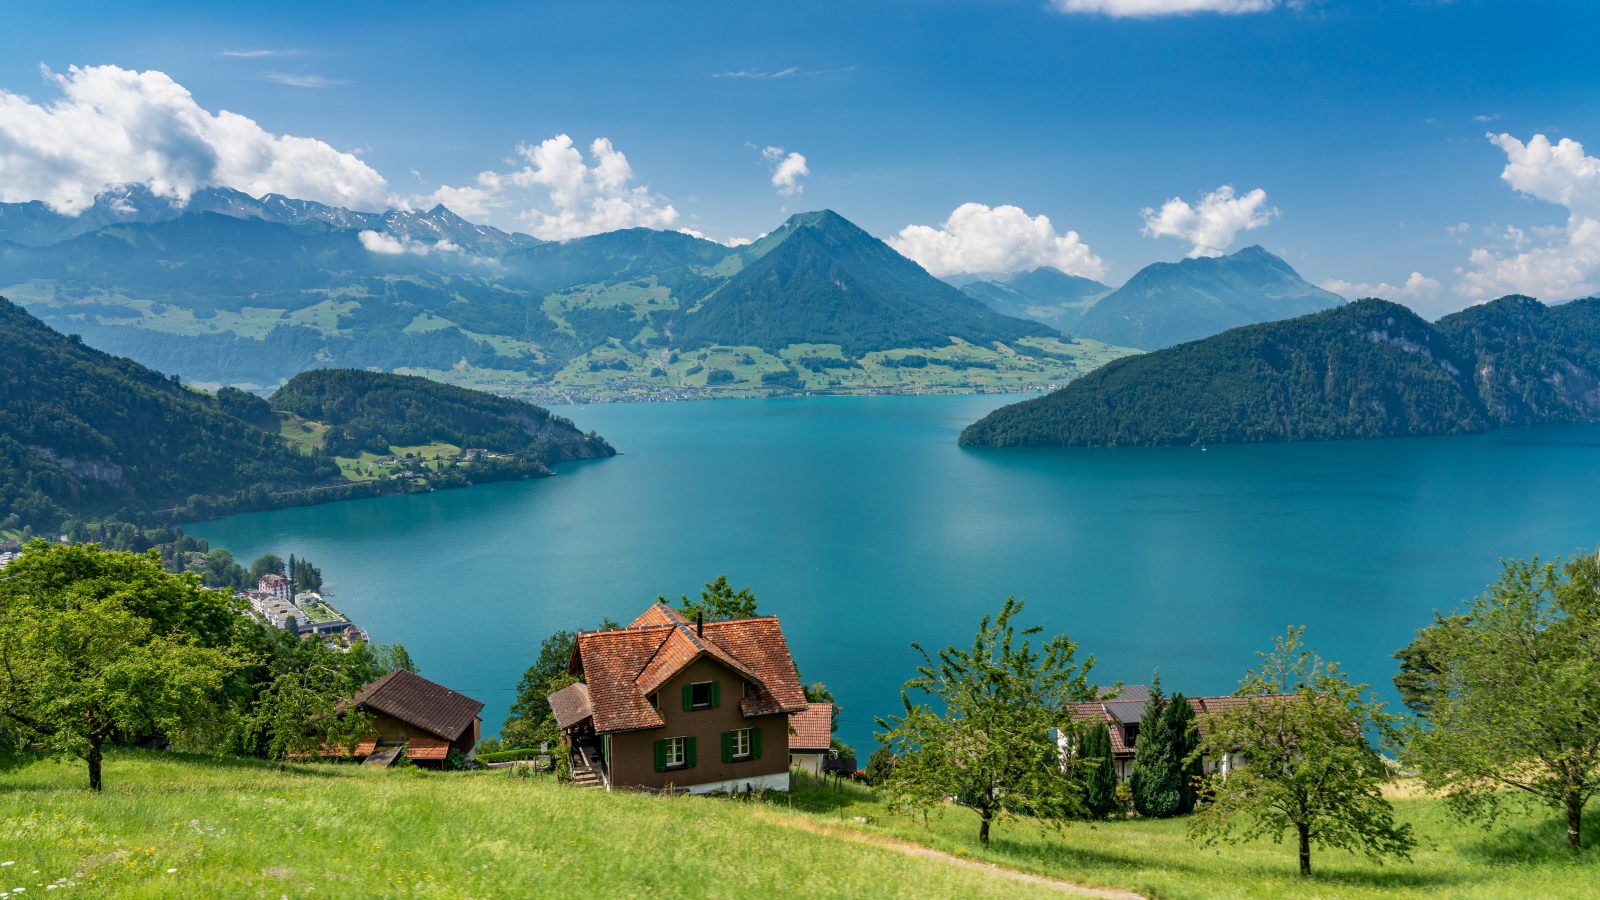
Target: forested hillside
{"points": [[1368, 369], [88, 433], [373, 411]]}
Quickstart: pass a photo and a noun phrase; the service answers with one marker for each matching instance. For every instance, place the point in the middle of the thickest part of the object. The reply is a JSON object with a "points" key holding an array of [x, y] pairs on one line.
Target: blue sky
{"points": [[1364, 123]]}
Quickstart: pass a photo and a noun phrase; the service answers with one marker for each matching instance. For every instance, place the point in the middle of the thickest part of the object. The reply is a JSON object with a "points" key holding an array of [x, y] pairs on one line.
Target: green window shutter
{"points": [[727, 746], [716, 694], [688, 752], [688, 697], [755, 743], [661, 756]]}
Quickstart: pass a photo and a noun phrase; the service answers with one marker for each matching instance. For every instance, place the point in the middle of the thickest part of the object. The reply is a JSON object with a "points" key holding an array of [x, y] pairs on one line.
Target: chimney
{"points": [[700, 624]]}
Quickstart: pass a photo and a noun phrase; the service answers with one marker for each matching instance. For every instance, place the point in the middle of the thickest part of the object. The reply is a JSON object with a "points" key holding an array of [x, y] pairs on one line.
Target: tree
{"points": [[879, 766], [98, 646], [990, 744], [1184, 734], [1154, 782], [1100, 771], [530, 721], [718, 602], [1507, 694], [817, 692], [305, 709], [394, 657], [1302, 730], [265, 564]]}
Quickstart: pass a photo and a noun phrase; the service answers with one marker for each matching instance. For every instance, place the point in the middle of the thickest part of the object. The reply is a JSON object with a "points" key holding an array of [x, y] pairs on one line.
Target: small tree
{"points": [[1309, 768], [718, 602], [879, 766], [990, 746], [265, 564], [1100, 772], [1508, 694], [1154, 782], [305, 711]]}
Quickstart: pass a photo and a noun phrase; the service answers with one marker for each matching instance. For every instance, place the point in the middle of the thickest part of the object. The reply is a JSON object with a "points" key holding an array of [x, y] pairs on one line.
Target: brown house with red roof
{"points": [[666, 703], [417, 719], [1122, 709]]}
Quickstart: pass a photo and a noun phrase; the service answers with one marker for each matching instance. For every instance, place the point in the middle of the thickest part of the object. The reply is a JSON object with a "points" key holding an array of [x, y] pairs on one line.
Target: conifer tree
{"points": [[1185, 737], [1155, 781], [1100, 772]]}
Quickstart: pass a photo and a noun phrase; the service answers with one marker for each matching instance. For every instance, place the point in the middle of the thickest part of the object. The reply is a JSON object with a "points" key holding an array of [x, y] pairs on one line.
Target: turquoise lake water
{"points": [[862, 525]]}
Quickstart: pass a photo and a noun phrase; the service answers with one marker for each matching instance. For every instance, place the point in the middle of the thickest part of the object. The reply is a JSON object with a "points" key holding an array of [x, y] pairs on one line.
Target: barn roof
{"points": [[812, 727], [417, 701]]}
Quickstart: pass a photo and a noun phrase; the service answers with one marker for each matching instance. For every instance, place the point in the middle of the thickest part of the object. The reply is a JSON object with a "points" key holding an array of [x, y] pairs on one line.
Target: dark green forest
{"points": [[1368, 369]]}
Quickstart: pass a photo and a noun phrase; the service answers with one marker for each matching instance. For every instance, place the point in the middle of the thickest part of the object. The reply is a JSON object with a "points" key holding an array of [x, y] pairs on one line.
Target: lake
{"points": [[861, 524]]}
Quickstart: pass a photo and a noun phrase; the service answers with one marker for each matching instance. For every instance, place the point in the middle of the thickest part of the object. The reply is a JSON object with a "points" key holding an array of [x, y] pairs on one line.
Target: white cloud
{"points": [[116, 126], [1458, 229], [561, 196], [1146, 9], [1212, 224], [389, 245], [1567, 264], [1417, 287], [259, 54], [293, 79], [978, 238], [753, 74], [787, 170]]}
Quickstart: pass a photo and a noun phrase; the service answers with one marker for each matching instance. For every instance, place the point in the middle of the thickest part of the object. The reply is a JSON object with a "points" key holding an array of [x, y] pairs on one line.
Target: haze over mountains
{"points": [[231, 289]]}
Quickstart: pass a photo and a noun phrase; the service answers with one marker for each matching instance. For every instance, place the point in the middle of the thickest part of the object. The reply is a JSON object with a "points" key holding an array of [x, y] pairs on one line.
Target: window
{"points": [[741, 744], [751, 692], [655, 700], [701, 695], [674, 756], [738, 746]]}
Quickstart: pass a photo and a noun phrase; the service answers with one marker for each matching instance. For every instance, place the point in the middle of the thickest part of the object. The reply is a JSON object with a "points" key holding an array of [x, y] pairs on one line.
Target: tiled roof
{"points": [[570, 704], [1117, 711], [622, 667], [427, 748], [812, 727], [417, 701]]}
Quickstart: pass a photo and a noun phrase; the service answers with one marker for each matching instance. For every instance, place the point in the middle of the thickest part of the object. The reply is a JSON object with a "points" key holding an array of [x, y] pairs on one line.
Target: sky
{"points": [[1435, 153]]}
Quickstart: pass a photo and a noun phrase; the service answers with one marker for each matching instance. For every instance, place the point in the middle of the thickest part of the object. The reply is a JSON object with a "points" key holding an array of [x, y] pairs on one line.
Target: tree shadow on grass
{"points": [[1535, 842]]}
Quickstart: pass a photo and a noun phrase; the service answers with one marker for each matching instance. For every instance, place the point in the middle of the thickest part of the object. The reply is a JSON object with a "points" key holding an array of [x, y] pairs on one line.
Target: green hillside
{"points": [[236, 828], [1170, 303], [229, 828], [1367, 369]]}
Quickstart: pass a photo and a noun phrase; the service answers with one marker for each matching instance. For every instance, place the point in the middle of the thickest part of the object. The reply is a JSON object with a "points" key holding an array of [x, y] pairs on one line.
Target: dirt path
{"points": [[805, 823]]}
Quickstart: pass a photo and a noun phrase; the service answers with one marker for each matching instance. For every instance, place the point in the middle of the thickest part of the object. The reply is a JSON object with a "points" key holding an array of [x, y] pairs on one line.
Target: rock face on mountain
{"points": [[1044, 295], [1169, 303], [820, 279], [1366, 369]]}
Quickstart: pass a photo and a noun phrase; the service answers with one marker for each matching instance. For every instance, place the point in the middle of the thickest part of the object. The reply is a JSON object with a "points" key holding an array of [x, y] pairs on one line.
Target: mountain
{"points": [[86, 434], [1044, 294], [1169, 303], [820, 279], [1366, 369], [234, 290]]}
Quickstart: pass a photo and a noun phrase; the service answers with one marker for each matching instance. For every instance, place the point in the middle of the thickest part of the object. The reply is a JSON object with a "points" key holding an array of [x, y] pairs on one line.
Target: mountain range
{"points": [[1365, 369], [1044, 294]]}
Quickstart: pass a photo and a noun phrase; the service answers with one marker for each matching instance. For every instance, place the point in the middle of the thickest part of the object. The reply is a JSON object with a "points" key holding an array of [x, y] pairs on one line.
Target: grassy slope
{"points": [[235, 828], [1155, 858]]}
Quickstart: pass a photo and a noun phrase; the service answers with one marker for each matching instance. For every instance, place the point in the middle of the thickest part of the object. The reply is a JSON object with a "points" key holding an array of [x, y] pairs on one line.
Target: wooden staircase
{"points": [[587, 768]]}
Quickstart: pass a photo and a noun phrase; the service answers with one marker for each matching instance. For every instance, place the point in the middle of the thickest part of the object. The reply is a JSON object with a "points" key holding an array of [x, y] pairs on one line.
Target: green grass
{"points": [[1527, 858], [303, 434], [244, 829]]}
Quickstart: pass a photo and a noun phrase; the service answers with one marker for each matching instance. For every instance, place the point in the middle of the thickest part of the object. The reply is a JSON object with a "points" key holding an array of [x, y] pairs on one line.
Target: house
{"points": [[415, 718], [669, 704], [274, 584], [1121, 712], [811, 737]]}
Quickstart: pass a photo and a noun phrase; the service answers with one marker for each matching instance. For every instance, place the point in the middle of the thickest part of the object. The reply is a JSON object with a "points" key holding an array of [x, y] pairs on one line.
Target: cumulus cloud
{"points": [[389, 245], [1417, 287], [116, 126], [1148, 9], [557, 195], [1567, 263], [1212, 224], [979, 238], [787, 170]]}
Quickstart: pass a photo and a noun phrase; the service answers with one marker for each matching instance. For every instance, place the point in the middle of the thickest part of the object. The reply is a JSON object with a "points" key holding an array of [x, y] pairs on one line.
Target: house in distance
{"points": [[669, 704], [417, 719], [1122, 710]]}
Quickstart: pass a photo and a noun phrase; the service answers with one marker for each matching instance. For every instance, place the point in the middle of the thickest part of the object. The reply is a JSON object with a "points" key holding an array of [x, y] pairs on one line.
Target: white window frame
{"points": [[741, 738], [677, 753]]}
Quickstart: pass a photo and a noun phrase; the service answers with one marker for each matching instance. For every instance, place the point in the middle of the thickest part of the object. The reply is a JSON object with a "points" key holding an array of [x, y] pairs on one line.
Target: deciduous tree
{"points": [[1309, 768], [989, 742], [718, 601], [1507, 694]]}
